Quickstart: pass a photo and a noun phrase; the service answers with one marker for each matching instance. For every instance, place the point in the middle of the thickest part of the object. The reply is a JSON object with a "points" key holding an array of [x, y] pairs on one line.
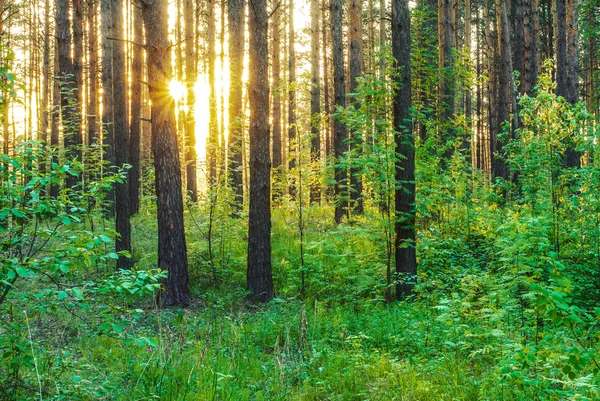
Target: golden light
{"points": [[178, 90]]}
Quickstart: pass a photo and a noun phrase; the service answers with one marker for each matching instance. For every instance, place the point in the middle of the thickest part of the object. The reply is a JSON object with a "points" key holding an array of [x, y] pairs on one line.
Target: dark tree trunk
{"points": [[236, 118], [276, 65], [339, 100], [355, 56], [121, 132], [136, 113], [66, 75], [499, 165], [573, 156], [531, 27], [293, 141], [259, 276], [190, 120], [79, 89], [315, 103], [446, 79], [405, 230], [172, 253], [107, 10]]}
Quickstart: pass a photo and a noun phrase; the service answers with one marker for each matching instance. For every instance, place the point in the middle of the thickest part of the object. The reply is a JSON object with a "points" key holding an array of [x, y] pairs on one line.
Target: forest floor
{"points": [[340, 340]]}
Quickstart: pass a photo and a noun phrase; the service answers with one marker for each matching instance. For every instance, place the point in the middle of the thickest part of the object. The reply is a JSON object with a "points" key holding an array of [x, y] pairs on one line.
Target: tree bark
{"points": [[136, 113], [108, 117], [172, 253], [339, 100], [355, 56], [531, 27], [293, 141], [315, 103], [121, 132], [92, 113], [236, 119], [405, 231], [259, 275]]}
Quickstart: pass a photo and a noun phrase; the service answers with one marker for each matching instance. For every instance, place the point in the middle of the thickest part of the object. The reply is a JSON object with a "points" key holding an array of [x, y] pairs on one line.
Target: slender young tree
{"points": [[405, 230], [315, 101], [172, 252], [236, 68], [355, 57], [339, 99], [260, 280]]}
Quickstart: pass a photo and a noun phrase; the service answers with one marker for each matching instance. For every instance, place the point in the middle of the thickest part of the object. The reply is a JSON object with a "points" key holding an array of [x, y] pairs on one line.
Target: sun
{"points": [[177, 89]]}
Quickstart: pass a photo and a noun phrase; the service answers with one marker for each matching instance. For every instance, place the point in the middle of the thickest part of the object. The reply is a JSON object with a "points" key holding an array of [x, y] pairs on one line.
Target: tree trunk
{"points": [[446, 79], [499, 166], [315, 103], [236, 119], [468, 112], [107, 10], [135, 139], [92, 114], [46, 75], [339, 99], [212, 147], [172, 253], [355, 56], [530, 46], [190, 119], [121, 132], [405, 231], [259, 276], [66, 75], [293, 141], [326, 84]]}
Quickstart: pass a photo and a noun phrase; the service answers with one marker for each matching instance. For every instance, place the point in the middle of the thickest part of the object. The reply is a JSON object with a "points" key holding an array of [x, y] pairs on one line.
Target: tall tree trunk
{"points": [[213, 125], [446, 83], [190, 119], [276, 99], [137, 70], [315, 102], [530, 46], [339, 99], [326, 84], [405, 230], [66, 75], [172, 253], [107, 10], [573, 157], [468, 95], [222, 133], [499, 166], [355, 56], [259, 276], [121, 132], [46, 74], [236, 119], [92, 113], [293, 141]]}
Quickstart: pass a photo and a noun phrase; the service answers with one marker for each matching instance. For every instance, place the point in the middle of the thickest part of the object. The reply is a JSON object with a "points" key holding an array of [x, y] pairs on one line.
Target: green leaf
{"points": [[62, 295]]}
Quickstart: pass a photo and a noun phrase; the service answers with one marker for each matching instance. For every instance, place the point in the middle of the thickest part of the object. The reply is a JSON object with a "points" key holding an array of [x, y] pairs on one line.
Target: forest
{"points": [[300, 200]]}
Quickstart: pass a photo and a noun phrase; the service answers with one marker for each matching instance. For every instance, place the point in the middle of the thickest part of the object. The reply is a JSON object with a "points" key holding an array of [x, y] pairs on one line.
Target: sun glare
{"points": [[178, 90]]}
